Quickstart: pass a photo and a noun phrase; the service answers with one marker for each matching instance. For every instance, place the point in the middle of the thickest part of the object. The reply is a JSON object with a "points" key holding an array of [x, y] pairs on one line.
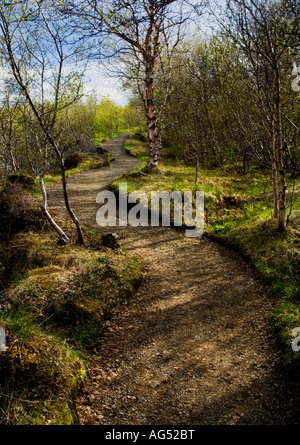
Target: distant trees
{"points": [[133, 114], [109, 118]]}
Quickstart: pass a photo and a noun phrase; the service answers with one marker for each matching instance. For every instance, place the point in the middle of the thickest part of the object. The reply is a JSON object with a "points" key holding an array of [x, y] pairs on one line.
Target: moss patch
{"points": [[37, 372]]}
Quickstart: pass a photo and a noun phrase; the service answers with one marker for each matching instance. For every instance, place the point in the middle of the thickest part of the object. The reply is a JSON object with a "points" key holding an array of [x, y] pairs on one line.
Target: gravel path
{"points": [[194, 344]]}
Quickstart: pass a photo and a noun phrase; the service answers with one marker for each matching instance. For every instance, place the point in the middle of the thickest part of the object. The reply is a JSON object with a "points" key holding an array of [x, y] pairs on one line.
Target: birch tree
{"points": [[140, 29]]}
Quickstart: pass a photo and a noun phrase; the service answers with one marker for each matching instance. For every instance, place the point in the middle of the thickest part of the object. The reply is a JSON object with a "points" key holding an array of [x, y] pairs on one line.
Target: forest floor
{"points": [[194, 345]]}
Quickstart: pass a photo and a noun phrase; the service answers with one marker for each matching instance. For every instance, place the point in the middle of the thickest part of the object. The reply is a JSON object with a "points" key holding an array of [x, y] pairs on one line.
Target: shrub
{"points": [[18, 211], [40, 377], [73, 160], [22, 178]]}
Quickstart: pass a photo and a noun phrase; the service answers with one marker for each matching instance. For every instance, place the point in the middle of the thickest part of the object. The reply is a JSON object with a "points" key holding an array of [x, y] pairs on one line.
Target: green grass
{"points": [[41, 376], [135, 146], [238, 213]]}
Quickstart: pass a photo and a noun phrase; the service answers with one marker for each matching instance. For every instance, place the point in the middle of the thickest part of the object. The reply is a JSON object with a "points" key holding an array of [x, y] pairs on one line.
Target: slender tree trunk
{"points": [[44, 208], [12, 159], [44, 205], [67, 204], [150, 55], [280, 163], [159, 138], [151, 114], [282, 195], [10, 150], [274, 173]]}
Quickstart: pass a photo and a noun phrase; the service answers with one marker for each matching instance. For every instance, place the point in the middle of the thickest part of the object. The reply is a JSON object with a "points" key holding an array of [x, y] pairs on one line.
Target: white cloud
{"points": [[104, 86]]}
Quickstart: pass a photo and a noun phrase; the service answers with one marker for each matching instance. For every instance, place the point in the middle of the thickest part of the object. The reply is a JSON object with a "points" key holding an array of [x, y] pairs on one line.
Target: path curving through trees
{"points": [[194, 344]]}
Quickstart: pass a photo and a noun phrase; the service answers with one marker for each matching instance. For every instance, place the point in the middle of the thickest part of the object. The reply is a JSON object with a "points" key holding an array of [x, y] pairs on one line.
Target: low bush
{"points": [[18, 211], [40, 376], [23, 178], [73, 160]]}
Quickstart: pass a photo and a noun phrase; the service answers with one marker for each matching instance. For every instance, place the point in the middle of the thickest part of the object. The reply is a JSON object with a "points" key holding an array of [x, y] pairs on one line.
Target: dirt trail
{"points": [[194, 345]]}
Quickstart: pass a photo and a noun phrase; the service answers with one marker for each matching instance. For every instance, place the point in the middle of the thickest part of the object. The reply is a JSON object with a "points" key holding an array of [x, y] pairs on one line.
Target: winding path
{"points": [[194, 344]]}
